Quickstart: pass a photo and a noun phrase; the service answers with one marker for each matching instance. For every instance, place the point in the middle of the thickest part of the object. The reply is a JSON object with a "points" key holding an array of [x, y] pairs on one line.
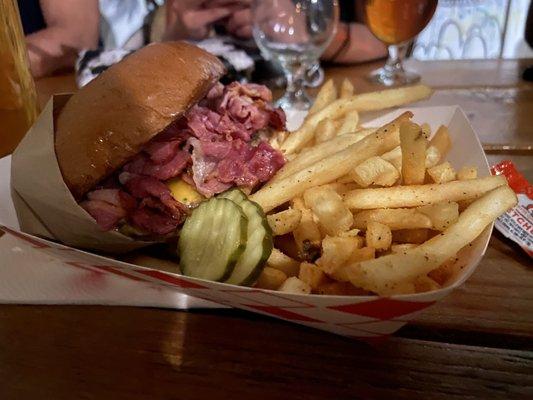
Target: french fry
{"points": [[283, 262], [364, 102], [432, 156], [442, 215], [342, 188], [285, 221], [317, 153], [463, 204], [347, 89], [331, 212], [414, 229], [298, 204], [299, 138], [410, 236], [362, 254], [375, 171], [441, 141], [345, 179], [400, 248], [364, 132], [400, 288], [426, 130], [467, 173], [295, 286], [336, 251], [326, 96], [290, 157], [425, 284], [413, 144], [349, 125], [307, 232], [330, 168], [445, 272], [358, 255], [312, 275], [325, 131], [394, 157], [442, 173], [420, 195], [394, 218], [352, 233], [277, 139], [378, 236], [375, 101], [382, 274], [270, 278]]}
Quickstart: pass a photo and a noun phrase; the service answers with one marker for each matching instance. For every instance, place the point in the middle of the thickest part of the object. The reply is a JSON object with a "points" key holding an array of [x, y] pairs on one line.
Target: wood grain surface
{"points": [[131, 353], [475, 344], [496, 299]]}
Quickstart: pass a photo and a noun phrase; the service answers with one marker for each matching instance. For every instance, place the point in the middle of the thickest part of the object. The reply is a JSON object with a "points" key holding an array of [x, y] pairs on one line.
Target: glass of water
{"points": [[294, 33]]}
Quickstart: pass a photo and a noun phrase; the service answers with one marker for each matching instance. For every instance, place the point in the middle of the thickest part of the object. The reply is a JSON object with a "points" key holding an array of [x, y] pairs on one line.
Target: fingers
{"points": [[227, 3], [245, 32], [197, 22], [240, 23]]}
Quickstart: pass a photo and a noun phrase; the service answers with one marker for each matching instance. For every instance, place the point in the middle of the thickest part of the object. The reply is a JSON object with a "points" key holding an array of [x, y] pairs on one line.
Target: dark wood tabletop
{"points": [[475, 344]]}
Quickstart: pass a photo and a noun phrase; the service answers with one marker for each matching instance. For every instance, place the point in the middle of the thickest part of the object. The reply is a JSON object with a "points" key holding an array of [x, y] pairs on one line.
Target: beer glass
{"points": [[295, 33], [396, 23], [18, 100]]}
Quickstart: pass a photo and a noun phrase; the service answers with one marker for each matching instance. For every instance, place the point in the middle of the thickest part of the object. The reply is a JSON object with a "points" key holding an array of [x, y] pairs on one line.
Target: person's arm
{"points": [[529, 26], [71, 26], [354, 43]]}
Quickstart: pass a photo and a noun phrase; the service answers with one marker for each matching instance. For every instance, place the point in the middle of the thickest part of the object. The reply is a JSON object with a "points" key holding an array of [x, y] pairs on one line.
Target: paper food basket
{"points": [[369, 318]]}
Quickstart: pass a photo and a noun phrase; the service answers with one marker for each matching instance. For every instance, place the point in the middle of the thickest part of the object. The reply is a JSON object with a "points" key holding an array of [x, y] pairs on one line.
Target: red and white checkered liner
{"points": [[364, 317]]}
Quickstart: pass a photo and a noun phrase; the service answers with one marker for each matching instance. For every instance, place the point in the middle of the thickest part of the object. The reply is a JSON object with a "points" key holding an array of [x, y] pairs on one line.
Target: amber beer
{"points": [[397, 21], [18, 104]]}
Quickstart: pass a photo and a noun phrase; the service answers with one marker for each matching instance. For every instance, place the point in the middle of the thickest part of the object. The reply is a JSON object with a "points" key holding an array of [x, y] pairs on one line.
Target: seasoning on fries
{"points": [[380, 207], [383, 274], [419, 195], [330, 168], [340, 107]]}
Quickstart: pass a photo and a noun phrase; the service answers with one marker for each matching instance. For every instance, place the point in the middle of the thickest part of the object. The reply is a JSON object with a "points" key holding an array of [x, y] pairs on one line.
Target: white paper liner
{"points": [[45, 207]]}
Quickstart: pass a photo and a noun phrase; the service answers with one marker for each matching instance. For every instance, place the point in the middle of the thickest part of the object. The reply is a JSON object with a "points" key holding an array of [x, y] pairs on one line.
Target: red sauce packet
{"points": [[517, 223]]}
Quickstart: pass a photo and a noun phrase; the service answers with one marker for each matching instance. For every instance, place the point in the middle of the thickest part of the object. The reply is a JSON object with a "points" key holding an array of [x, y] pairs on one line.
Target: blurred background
{"points": [[58, 32], [281, 43]]}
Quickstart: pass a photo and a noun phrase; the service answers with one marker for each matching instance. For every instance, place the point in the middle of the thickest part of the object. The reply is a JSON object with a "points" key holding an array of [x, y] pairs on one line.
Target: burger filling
{"points": [[215, 146]]}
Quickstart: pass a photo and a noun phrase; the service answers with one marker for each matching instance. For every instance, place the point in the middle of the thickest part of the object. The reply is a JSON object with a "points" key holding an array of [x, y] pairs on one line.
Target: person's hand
{"points": [[239, 23], [192, 19]]}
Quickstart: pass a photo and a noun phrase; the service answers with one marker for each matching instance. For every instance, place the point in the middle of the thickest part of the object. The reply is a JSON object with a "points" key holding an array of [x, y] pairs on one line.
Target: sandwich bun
{"points": [[107, 122]]}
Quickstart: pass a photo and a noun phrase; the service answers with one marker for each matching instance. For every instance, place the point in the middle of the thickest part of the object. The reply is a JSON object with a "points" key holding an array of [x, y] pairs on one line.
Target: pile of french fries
{"points": [[371, 211]]}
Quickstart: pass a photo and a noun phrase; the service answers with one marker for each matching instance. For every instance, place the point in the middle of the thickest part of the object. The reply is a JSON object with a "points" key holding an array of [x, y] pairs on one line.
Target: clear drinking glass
{"points": [[396, 23], [294, 33]]}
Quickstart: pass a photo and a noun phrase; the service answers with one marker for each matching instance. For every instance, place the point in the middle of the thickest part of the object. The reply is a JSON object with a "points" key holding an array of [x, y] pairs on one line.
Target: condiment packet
{"points": [[517, 223]]}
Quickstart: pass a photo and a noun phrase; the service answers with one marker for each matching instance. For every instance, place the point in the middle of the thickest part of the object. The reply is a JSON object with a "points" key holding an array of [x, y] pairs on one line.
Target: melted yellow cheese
{"points": [[183, 192]]}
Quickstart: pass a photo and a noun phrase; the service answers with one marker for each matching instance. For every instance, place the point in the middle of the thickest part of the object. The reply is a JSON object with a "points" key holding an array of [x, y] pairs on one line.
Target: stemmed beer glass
{"points": [[294, 33], [396, 23]]}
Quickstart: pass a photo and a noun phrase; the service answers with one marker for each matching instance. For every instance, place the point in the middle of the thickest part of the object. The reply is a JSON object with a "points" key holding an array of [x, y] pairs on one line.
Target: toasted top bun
{"points": [[108, 121]]}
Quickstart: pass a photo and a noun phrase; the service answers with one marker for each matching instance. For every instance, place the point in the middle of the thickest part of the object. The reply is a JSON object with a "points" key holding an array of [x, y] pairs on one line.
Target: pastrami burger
{"points": [[157, 134]]}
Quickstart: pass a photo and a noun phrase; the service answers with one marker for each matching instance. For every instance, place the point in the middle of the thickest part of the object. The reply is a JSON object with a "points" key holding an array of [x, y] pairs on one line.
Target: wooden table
{"points": [[477, 343]]}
